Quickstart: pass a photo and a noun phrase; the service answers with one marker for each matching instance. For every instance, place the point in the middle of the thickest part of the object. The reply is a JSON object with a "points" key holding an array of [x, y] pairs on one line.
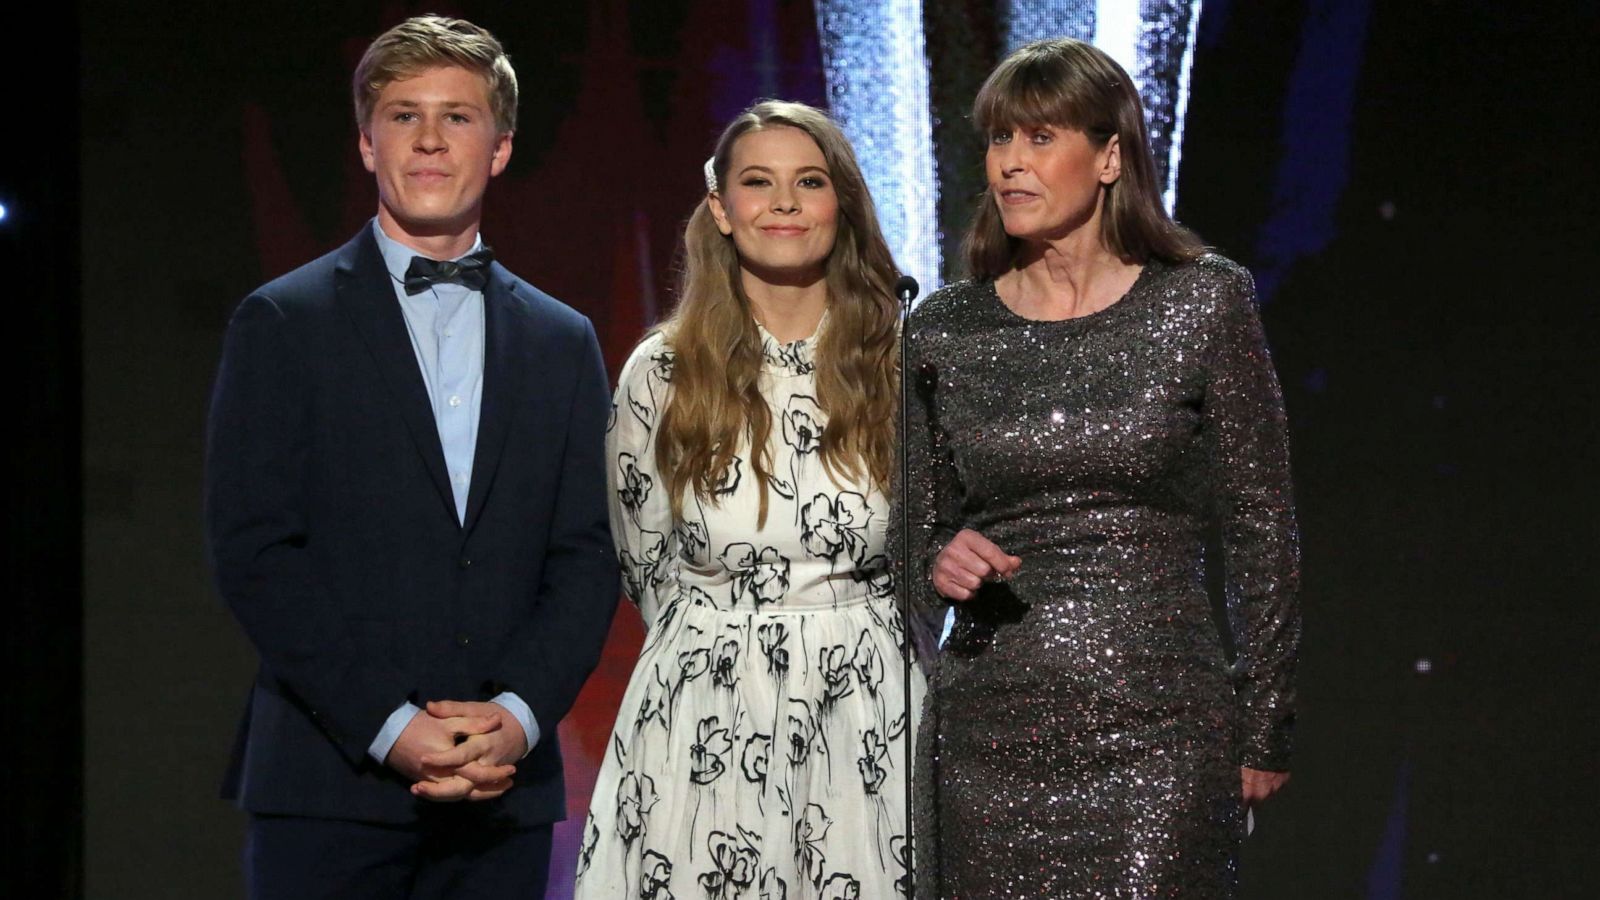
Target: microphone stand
{"points": [[906, 290]]}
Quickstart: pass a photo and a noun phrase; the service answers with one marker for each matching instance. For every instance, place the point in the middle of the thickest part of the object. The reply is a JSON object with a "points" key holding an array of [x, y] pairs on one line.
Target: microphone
{"points": [[906, 289]]}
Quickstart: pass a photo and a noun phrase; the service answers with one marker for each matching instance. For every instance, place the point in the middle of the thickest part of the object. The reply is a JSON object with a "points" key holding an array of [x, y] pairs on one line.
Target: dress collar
{"points": [[793, 358]]}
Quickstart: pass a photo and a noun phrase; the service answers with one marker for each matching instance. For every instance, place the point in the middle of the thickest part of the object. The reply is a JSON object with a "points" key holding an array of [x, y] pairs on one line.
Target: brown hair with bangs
{"points": [[1067, 83], [425, 42], [716, 402]]}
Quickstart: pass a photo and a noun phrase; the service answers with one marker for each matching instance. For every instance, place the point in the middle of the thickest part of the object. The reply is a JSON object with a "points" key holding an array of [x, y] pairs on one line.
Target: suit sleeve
{"points": [[257, 442], [550, 655], [1243, 424]]}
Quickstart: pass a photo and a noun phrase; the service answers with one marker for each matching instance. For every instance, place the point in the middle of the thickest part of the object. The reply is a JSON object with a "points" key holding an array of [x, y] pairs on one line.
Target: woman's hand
{"points": [[967, 562], [1260, 784]]}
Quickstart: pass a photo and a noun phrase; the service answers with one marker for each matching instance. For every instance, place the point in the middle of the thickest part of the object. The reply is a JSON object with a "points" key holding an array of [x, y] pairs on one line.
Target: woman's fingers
{"points": [[999, 562], [966, 562], [1260, 784]]}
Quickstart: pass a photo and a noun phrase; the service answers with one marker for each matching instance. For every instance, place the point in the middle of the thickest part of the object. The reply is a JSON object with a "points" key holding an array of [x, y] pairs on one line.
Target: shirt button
{"points": [[455, 399], [449, 333], [461, 477]]}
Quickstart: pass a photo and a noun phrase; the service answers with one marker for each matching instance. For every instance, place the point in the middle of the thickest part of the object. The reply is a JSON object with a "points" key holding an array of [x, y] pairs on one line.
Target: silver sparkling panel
{"points": [[877, 75]]}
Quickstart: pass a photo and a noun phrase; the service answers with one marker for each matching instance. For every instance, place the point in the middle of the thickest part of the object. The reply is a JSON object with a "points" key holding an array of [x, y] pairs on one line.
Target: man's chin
{"points": [[428, 223]]}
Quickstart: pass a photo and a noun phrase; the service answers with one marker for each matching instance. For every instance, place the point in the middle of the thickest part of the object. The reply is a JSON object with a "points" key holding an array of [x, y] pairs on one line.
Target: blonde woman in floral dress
{"points": [[760, 748]]}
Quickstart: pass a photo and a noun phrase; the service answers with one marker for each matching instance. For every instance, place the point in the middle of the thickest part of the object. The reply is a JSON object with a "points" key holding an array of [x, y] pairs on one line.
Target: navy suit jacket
{"points": [[334, 538]]}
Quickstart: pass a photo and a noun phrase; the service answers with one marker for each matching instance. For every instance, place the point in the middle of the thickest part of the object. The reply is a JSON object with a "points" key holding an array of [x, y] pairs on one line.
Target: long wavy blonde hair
{"points": [[716, 402]]}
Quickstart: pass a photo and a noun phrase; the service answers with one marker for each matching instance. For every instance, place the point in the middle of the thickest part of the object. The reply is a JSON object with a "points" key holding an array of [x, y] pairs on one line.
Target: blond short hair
{"points": [[424, 42]]}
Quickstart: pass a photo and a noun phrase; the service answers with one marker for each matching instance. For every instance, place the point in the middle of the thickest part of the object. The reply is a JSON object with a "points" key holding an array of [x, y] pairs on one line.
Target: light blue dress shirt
{"points": [[446, 327]]}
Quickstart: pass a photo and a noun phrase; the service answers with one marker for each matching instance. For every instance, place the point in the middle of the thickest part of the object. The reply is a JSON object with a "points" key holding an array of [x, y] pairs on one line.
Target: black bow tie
{"points": [[470, 271]]}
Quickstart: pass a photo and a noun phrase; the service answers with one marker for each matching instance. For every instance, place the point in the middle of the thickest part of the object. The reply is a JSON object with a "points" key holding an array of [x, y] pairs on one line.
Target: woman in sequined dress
{"points": [[1086, 407], [760, 746]]}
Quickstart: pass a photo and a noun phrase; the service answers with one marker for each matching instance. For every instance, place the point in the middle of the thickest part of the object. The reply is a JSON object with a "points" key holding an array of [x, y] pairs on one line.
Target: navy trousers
{"points": [[448, 856]]}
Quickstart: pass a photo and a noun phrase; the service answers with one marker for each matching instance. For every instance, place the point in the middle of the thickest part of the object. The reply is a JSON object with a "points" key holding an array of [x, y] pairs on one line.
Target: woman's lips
{"points": [[784, 230]]}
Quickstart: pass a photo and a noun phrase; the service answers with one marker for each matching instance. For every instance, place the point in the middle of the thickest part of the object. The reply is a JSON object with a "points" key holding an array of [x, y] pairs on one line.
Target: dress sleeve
{"points": [[933, 491], [641, 516], [1246, 433]]}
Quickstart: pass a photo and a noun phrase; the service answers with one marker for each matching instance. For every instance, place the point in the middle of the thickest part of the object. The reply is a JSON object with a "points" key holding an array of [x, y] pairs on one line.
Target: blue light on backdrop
{"points": [[877, 73]]}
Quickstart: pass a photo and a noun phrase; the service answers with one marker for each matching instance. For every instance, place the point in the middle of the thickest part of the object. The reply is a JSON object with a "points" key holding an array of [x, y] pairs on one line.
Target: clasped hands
{"points": [[970, 559], [455, 750]]}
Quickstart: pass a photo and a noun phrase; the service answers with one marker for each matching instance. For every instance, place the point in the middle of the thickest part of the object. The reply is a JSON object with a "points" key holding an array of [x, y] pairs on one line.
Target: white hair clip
{"points": [[711, 175]]}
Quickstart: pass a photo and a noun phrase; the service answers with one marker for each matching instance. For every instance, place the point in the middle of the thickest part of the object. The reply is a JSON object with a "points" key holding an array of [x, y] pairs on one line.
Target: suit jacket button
{"points": [[462, 640], [465, 563]]}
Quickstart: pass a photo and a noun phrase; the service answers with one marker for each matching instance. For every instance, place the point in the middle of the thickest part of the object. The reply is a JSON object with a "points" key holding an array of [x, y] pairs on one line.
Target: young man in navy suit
{"points": [[406, 512]]}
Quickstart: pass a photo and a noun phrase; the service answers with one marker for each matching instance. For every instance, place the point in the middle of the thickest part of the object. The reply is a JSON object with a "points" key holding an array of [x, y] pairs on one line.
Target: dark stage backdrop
{"points": [[1413, 184]]}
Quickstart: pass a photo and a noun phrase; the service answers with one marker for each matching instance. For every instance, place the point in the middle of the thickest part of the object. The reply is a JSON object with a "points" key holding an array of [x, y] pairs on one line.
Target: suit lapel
{"points": [[366, 292], [504, 343]]}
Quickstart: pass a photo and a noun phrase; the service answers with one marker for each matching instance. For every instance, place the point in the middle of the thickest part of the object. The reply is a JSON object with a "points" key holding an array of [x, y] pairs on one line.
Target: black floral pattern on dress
{"points": [[804, 736], [648, 401], [810, 828], [834, 664], [773, 887], [773, 636], [734, 862], [841, 886], [654, 706], [661, 366], [693, 596], [691, 539], [802, 428], [870, 764], [729, 479], [655, 882], [835, 526], [877, 575], [793, 357], [591, 838], [755, 761], [708, 755], [646, 569], [634, 486], [725, 659], [897, 849], [760, 577], [867, 664], [692, 664], [636, 796]]}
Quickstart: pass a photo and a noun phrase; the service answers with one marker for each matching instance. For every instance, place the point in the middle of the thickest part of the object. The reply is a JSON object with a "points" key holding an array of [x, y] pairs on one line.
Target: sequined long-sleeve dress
{"points": [[1085, 731], [759, 750]]}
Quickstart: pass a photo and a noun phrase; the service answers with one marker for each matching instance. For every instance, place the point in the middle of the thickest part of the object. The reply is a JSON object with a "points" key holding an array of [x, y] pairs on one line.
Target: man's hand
{"points": [[483, 760], [426, 735], [1260, 784]]}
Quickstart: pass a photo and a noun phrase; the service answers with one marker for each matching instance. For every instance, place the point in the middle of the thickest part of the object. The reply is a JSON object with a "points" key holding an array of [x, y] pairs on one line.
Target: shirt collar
{"points": [[397, 256]]}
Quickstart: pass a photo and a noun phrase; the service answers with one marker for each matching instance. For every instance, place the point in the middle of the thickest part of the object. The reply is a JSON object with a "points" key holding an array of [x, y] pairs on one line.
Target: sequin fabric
{"points": [[1084, 731]]}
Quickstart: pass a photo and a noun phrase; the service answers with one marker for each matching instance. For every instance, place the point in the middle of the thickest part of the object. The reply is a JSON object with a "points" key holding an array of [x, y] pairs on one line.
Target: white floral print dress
{"points": [[759, 751]]}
